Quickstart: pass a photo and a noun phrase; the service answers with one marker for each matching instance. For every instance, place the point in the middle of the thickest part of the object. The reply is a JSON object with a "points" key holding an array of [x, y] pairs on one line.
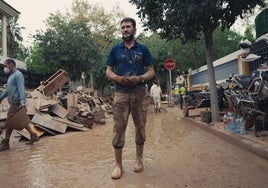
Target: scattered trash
{"points": [[234, 124]]}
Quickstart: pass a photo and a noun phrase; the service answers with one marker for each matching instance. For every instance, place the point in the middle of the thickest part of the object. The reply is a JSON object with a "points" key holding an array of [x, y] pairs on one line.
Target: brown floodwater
{"points": [[177, 154]]}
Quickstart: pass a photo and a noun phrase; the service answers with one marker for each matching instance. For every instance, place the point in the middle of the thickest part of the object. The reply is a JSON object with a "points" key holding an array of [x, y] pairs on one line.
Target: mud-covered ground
{"points": [[177, 154]]}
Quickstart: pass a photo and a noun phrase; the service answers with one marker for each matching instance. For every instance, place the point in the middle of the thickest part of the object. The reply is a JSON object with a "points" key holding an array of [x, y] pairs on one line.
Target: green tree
{"points": [[35, 62], [189, 55], [104, 24], [160, 50], [248, 34], [188, 20], [105, 31], [68, 44], [96, 32], [14, 37], [224, 43]]}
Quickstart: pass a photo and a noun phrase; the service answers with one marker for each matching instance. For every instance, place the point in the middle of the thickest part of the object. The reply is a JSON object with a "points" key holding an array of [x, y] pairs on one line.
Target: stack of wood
{"points": [[84, 109]]}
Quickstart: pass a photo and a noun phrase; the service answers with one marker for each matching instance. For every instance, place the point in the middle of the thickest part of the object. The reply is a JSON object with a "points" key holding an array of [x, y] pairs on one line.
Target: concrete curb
{"points": [[257, 147]]}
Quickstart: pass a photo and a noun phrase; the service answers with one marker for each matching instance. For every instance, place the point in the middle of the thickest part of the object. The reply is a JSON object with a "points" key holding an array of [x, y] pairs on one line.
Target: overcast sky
{"points": [[34, 12]]}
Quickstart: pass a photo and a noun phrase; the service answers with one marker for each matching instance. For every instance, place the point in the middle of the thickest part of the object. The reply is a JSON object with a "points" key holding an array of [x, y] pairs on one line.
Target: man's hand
{"points": [[125, 81], [135, 80], [128, 81]]}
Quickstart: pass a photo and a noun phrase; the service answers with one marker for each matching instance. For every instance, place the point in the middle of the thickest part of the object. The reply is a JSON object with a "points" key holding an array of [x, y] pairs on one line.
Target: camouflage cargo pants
{"points": [[136, 103]]}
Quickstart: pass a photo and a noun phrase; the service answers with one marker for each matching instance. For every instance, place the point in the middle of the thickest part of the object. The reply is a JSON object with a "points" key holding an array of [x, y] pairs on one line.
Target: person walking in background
{"points": [[182, 92], [176, 94], [156, 93], [129, 65], [15, 92]]}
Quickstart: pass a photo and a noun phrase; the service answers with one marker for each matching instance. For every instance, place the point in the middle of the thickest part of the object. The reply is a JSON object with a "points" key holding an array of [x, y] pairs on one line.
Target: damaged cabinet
{"points": [[55, 82]]}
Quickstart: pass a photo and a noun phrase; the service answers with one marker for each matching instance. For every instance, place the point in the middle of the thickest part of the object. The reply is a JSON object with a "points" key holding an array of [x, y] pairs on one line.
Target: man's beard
{"points": [[128, 37]]}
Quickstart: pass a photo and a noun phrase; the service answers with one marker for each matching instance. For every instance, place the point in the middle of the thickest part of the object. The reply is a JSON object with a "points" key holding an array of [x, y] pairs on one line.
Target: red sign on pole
{"points": [[170, 64]]}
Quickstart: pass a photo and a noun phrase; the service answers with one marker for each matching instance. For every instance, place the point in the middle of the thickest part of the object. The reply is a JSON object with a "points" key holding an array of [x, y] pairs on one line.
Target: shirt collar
{"points": [[122, 45]]}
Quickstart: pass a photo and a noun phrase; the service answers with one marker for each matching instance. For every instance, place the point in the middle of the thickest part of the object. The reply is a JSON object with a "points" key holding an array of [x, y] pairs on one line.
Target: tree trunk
{"points": [[211, 79]]}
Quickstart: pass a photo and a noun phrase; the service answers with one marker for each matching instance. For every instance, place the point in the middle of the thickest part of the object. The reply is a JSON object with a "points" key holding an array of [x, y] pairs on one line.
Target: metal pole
{"points": [[170, 89]]}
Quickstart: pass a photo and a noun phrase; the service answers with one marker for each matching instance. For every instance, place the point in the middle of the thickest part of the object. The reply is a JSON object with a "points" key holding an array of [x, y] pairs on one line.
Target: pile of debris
{"points": [[53, 112]]}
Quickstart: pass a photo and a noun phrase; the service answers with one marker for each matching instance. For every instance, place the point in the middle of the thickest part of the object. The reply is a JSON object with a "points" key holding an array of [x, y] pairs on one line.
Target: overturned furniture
{"points": [[54, 83]]}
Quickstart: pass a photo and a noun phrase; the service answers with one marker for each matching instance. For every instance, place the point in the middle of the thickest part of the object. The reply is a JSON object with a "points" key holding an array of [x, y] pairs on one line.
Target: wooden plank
{"points": [[38, 131], [45, 120], [43, 102], [72, 100], [2, 125], [45, 110], [58, 110], [76, 128], [46, 103], [72, 112], [68, 122], [73, 125], [30, 106], [37, 104], [35, 94], [3, 116], [46, 130], [26, 134], [4, 106]]}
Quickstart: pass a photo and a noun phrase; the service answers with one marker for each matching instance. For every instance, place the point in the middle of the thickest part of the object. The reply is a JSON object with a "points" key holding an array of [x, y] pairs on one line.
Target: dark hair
{"points": [[10, 61], [129, 20]]}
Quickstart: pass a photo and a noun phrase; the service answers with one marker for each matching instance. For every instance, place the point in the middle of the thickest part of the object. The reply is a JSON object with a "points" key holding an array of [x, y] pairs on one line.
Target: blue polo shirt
{"points": [[129, 62]]}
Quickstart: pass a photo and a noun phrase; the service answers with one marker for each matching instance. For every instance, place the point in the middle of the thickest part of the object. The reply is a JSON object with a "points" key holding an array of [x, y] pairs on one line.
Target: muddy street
{"points": [[177, 154]]}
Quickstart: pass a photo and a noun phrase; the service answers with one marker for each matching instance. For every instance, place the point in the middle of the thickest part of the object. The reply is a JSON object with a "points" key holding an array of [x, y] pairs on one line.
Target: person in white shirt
{"points": [[156, 93]]}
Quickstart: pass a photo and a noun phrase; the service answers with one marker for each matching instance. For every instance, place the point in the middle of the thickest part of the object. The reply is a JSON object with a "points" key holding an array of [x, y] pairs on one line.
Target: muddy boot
{"points": [[34, 138], [116, 174], [4, 145], [139, 158]]}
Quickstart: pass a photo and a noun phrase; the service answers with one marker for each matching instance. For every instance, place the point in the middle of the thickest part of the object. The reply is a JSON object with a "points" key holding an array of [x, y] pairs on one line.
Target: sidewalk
{"points": [[257, 145]]}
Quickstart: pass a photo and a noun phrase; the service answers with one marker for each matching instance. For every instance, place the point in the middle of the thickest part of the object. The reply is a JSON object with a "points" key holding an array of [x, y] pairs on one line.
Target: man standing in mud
{"points": [[15, 92], [129, 65]]}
